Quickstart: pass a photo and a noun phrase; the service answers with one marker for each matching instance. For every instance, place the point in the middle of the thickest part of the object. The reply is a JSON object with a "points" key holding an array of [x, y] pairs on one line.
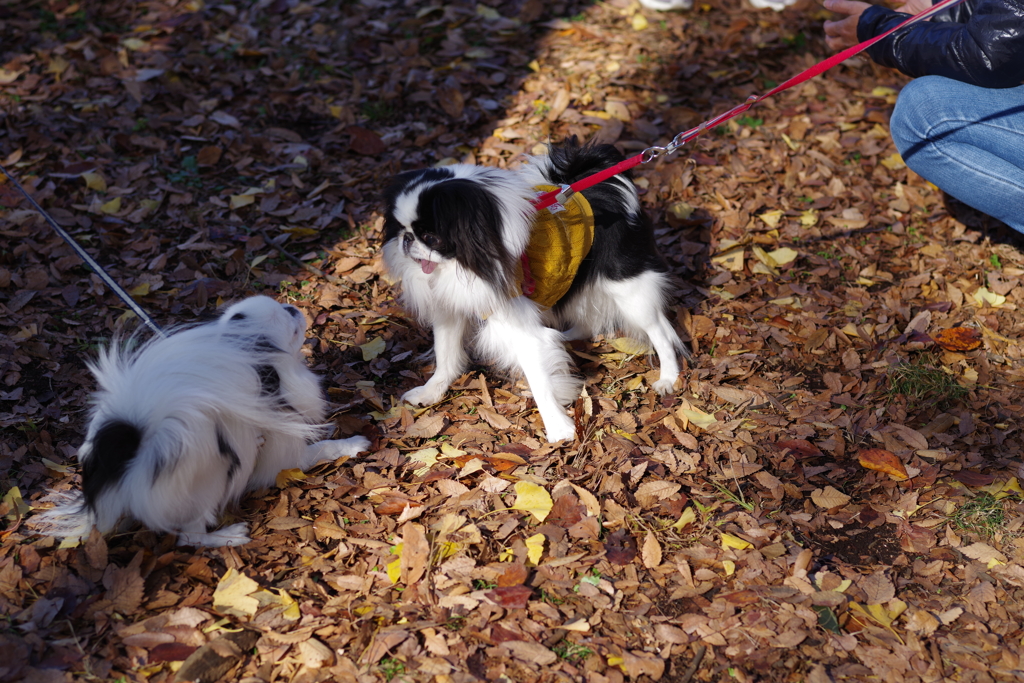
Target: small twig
{"points": [[313, 269], [694, 665]]}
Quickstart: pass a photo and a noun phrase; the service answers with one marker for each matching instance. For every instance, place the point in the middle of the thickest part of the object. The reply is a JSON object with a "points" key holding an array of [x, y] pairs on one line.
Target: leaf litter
{"points": [[796, 511]]}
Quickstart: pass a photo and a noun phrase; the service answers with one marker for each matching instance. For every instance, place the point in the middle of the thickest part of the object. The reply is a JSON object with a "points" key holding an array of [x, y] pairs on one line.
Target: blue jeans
{"points": [[967, 140]]}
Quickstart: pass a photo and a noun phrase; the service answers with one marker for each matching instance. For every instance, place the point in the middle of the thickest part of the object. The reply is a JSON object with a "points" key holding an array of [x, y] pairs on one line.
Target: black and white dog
{"points": [[186, 424], [456, 237]]}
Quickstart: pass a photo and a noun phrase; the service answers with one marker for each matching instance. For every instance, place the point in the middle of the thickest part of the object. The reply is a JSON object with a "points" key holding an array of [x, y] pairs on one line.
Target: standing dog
{"points": [[185, 425], [475, 258]]}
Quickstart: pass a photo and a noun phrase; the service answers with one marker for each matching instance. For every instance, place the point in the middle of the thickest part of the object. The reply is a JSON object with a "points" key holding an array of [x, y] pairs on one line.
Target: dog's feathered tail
{"points": [[69, 517]]}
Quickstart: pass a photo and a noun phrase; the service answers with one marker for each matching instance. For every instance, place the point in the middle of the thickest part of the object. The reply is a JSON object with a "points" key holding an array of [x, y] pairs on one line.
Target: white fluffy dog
{"points": [[185, 425]]}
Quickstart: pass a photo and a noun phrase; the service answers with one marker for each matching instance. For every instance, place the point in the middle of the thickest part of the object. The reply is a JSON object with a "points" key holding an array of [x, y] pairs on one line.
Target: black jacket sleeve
{"points": [[982, 45]]}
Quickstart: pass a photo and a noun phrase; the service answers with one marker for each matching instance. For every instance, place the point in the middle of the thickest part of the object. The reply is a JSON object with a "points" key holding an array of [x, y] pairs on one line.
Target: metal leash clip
{"points": [[561, 198]]}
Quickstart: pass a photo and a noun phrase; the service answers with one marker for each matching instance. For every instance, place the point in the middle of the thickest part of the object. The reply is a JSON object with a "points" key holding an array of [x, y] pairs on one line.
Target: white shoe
{"points": [[666, 5]]}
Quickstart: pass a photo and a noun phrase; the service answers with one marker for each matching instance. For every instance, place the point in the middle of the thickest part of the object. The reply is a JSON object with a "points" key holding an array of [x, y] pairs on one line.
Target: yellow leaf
{"points": [[94, 181], [639, 22], [697, 417], [533, 499], [634, 384], [240, 200], [589, 501], [285, 477], [986, 298], [134, 44], [579, 625], [233, 594], [140, 290], [681, 210], [893, 162], [15, 503], [882, 91], [535, 548], [771, 218], [506, 555], [614, 660], [394, 568], [792, 145], [534, 66], [51, 465], [427, 457], [688, 517], [730, 541], [809, 218], [630, 347], [372, 349], [111, 207], [729, 566], [784, 255], [730, 260]]}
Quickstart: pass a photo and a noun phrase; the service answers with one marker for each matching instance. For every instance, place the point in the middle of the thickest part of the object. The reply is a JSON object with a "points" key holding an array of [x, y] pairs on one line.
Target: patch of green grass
{"points": [[996, 263], [750, 121], [377, 111], [982, 515], [483, 584], [919, 380], [572, 652], [391, 667], [455, 623]]}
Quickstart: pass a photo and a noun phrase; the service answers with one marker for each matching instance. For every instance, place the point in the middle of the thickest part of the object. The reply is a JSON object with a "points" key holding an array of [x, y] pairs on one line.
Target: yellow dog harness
{"points": [[559, 241]]}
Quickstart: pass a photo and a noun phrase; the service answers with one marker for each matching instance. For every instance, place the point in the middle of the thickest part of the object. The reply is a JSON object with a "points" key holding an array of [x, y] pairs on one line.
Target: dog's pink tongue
{"points": [[427, 266]]}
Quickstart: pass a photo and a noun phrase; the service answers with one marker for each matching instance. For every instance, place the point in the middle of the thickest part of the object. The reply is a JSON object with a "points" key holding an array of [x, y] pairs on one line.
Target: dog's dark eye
{"points": [[294, 312], [432, 241], [238, 316]]}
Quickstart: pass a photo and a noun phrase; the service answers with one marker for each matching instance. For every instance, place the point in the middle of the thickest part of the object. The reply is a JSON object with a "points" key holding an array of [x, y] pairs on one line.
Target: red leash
{"points": [[559, 196]]}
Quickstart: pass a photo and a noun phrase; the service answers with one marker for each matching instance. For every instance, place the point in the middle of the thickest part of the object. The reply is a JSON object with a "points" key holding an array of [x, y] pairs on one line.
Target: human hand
{"points": [[914, 6], [842, 33]]}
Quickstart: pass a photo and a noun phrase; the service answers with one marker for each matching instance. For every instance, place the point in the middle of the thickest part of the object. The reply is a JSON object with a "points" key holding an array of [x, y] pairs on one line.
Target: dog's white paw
{"points": [[563, 429], [423, 396], [235, 534], [665, 387], [339, 448]]}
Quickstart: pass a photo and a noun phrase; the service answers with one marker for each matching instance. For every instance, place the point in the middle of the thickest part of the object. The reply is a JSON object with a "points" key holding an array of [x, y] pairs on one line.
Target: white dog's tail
{"points": [[70, 517]]}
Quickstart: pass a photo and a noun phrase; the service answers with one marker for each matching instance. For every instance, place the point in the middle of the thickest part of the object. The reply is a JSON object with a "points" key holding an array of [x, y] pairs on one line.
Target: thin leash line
{"points": [[89, 260], [559, 196]]}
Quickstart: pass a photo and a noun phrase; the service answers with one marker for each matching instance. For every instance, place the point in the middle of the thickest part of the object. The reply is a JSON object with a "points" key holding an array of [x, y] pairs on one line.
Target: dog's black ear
{"points": [[467, 217], [115, 445]]}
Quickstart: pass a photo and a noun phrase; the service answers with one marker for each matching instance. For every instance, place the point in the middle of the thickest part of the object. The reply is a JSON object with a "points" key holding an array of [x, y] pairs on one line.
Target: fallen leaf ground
{"points": [[831, 496]]}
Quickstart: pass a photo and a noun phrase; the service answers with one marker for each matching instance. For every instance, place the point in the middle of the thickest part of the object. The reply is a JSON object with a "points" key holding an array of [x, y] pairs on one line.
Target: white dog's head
{"points": [[281, 325]]}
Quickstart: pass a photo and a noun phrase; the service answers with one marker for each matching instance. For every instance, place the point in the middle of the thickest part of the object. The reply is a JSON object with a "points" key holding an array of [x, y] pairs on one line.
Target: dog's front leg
{"points": [[450, 360], [332, 449], [517, 338]]}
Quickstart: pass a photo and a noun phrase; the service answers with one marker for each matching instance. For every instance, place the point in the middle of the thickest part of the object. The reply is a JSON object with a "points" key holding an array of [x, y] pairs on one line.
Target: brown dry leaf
{"points": [[426, 427], [415, 551], [514, 575], [829, 497], [651, 553], [801, 448], [511, 597], [878, 588], [365, 141], [959, 339], [881, 460], [620, 547]]}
